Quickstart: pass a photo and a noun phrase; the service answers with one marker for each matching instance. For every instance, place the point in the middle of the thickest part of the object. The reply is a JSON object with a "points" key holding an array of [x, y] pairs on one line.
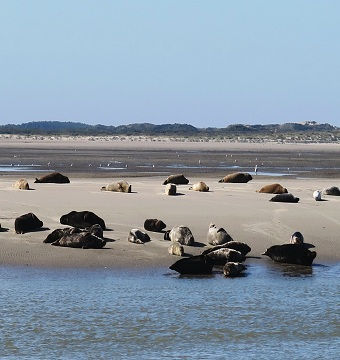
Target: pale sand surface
{"points": [[247, 215]]}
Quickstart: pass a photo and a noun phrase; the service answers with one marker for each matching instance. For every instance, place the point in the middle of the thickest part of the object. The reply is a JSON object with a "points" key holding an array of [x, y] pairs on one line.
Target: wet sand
{"points": [[248, 216]]}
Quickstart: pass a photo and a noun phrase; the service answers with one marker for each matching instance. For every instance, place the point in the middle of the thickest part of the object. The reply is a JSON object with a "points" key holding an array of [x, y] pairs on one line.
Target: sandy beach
{"points": [[248, 216]]}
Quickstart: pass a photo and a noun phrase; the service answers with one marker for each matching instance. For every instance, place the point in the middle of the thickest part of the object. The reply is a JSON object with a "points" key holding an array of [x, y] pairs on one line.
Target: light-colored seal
{"points": [[224, 255], [182, 234], [236, 178], [200, 186], [138, 237], [176, 249], [21, 184], [273, 189], [217, 236], [317, 195], [119, 186], [170, 189]]}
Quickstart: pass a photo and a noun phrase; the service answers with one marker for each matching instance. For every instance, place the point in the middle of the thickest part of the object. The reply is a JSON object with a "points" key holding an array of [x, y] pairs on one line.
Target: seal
{"points": [[182, 234], [194, 265], [138, 237], [83, 239], [178, 179], [317, 195], [273, 189], [55, 178], [21, 184], [217, 236], [200, 186], [288, 198], [236, 178], [296, 238], [291, 254], [59, 233], [233, 269], [176, 249], [154, 225], [333, 190], [243, 248], [170, 189], [26, 223], [82, 219], [222, 256], [119, 186]]}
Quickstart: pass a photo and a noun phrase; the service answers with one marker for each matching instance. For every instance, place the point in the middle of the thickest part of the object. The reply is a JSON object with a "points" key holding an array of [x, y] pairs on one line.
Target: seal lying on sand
{"points": [[176, 249], [138, 237], [59, 233], [82, 219], [83, 239], [291, 254], [181, 234], [273, 189], [21, 184], [195, 265], [217, 236], [54, 177], [289, 198], [200, 186], [154, 225], [170, 189], [317, 195], [120, 186], [236, 178], [222, 256], [335, 191], [243, 248], [26, 223], [178, 179], [232, 269]]}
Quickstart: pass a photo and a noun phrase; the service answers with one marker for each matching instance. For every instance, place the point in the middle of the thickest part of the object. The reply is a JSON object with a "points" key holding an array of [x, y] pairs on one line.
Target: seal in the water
{"points": [[243, 248], [195, 265], [26, 223], [138, 237], [236, 178], [289, 198], [232, 269], [21, 184], [54, 177], [120, 186], [217, 236], [154, 225], [334, 190], [178, 179], [291, 254], [82, 219], [273, 189], [182, 234], [200, 186]]}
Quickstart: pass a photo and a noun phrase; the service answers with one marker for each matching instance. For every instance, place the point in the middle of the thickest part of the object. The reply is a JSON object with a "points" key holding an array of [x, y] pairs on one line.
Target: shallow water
{"points": [[276, 311]]}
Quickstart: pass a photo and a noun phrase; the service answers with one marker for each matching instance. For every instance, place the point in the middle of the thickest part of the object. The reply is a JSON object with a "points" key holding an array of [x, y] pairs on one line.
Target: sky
{"points": [[205, 63]]}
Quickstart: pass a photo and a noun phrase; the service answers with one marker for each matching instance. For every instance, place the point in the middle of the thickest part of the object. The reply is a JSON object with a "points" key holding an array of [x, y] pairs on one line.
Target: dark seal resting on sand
{"points": [[55, 178], [236, 178], [195, 265], [154, 225], [289, 198], [82, 219], [26, 223], [178, 179]]}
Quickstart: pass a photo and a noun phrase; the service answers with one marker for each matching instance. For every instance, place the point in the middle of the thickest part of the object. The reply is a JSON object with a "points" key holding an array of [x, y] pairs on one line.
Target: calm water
{"points": [[275, 312]]}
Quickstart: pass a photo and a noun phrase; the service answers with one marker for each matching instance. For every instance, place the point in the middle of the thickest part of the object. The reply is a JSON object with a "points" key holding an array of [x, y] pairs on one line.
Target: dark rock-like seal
{"points": [[233, 269], [170, 189], [26, 223], [291, 254], [296, 238], [288, 198], [236, 178], [154, 225], [55, 178], [222, 256], [59, 233], [84, 240], [182, 234], [138, 237], [243, 248], [178, 179], [82, 219], [334, 190], [120, 186], [273, 189], [217, 236], [195, 265]]}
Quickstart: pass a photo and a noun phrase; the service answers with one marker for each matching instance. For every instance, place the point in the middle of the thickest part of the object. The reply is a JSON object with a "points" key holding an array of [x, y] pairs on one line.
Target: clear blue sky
{"points": [[207, 63]]}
